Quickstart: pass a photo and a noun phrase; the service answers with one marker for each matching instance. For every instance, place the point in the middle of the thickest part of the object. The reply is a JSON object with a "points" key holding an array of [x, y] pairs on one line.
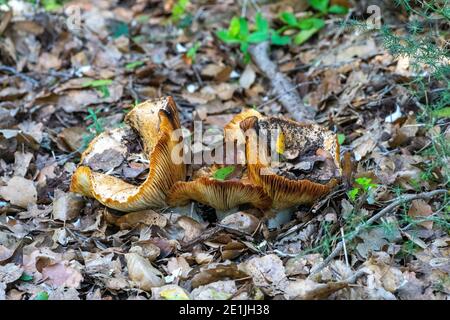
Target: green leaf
{"points": [[51, 5], [41, 296], [243, 28], [304, 35], [262, 25], [256, 37], [244, 47], [341, 138], [338, 9], [352, 194], [133, 65], [119, 29], [104, 91], [26, 277], [319, 5], [225, 36], [278, 40], [442, 113], [179, 9], [365, 183], [223, 173], [288, 18], [311, 23], [234, 28], [192, 52], [97, 83]]}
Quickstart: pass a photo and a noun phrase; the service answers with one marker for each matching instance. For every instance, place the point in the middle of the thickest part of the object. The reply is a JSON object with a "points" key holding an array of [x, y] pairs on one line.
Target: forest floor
{"points": [[68, 75]]}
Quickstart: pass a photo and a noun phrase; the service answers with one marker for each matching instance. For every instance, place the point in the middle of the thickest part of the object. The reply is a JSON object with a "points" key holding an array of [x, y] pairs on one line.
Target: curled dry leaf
{"points": [[154, 121], [216, 272], [419, 210], [21, 163], [62, 275], [142, 273], [133, 219], [219, 290], [67, 206], [304, 289], [19, 191], [247, 77], [232, 250], [179, 267], [10, 273], [241, 221], [192, 229], [267, 273], [146, 249]]}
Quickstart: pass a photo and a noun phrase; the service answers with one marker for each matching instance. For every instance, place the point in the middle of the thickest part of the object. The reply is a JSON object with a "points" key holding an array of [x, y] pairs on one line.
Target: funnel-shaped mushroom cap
{"points": [[304, 139], [154, 121], [221, 195]]}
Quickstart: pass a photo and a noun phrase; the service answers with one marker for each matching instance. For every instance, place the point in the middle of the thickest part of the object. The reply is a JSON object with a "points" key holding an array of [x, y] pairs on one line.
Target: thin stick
{"points": [[345, 247], [281, 84], [389, 208]]}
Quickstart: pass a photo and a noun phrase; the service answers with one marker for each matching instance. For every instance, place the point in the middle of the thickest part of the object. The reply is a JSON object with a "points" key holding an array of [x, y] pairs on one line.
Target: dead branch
{"points": [[389, 208], [284, 89]]}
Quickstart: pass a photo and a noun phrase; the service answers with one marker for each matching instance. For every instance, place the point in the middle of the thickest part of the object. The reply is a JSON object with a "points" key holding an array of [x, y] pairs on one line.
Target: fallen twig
{"points": [[285, 90], [394, 204], [34, 82]]}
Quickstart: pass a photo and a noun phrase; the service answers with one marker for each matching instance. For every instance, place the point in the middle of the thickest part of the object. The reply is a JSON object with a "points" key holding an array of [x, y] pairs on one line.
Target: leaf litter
{"points": [[57, 245]]}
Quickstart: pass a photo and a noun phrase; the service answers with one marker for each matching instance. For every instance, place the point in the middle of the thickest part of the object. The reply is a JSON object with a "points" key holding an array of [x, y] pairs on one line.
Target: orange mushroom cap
{"points": [[283, 191], [154, 121]]}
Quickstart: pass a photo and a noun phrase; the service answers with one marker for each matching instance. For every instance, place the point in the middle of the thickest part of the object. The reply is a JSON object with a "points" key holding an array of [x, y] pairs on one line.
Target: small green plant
{"points": [[179, 10], [327, 238], [309, 26], [341, 138], [192, 52], [94, 129], [48, 5], [223, 173], [26, 277], [41, 296], [133, 65], [364, 185], [323, 6], [100, 85], [239, 32]]}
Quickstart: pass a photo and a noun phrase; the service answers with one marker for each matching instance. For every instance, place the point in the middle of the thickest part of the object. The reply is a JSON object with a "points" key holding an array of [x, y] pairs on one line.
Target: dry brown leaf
{"points": [[267, 272], [142, 273], [19, 191], [62, 275], [241, 221], [216, 272], [67, 206], [247, 77], [219, 290], [419, 210]]}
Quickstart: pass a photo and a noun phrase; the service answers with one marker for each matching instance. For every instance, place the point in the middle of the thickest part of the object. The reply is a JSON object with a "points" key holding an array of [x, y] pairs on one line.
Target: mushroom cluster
{"points": [[296, 165]]}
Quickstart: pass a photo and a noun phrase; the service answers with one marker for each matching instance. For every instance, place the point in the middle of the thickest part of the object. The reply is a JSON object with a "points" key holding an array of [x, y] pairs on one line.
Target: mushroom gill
{"points": [[219, 194], [304, 140], [154, 121]]}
